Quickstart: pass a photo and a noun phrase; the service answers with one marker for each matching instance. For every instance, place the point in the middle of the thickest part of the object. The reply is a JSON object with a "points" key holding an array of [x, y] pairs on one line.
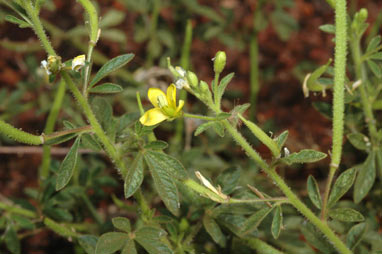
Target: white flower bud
{"points": [[78, 62]]}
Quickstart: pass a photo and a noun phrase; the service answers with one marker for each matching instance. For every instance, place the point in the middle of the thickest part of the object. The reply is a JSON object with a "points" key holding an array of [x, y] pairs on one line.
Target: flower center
{"points": [[162, 101]]}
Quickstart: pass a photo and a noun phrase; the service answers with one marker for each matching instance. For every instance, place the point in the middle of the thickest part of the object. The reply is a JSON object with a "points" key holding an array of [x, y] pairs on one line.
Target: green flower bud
{"points": [[362, 15], [204, 87], [54, 64], [192, 79], [219, 61], [183, 225]]}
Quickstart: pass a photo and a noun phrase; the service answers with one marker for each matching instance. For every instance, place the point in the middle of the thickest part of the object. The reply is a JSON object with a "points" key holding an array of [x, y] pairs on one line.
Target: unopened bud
{"points": [[362, 14], [219, 61], [78, 62], [204, 87], [183, 225], [53, 65], [192, 79], [181, 83]]}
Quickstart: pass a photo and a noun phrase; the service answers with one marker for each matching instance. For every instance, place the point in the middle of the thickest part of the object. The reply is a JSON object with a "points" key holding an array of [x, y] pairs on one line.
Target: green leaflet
{"points": [[88, 243], [163, 176], [277, 222], [359, 141], [314, 192], [303, 156], [355, 235], [106, 88], [341, 186], [346, 214], [365, 178], [214, 230], [150, 239], [129, 248], [134, 176], [223, 85], [254, 221], [110, 66], [12, 241], [122, 223], [111, 242], [167, 163], [67, 167]]}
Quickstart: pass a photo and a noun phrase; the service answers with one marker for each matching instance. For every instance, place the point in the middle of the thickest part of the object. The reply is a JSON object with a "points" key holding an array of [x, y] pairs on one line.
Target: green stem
{"points": [[262, 136], [93, 21], [261, 246], [141, 110], [153, 28], [360, 72], [215, 90], [19, 135], [293, 199], [247, 147], [17, 210], [108, 145], [338, 97], [185, 64], [37, 26], [254, 75], [49, 127], [79, 130], [208, 118]]}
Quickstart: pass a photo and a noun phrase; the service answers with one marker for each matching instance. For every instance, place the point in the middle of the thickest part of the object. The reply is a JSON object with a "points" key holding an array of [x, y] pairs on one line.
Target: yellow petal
{"points": [[180, 106], [153, 94], [153, 117], [171, 95]]}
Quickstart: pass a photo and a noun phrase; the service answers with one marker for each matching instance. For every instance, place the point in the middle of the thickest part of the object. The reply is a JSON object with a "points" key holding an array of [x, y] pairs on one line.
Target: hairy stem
{"points": [[93, 22], [361, 74], [37, 26], [207, 118], [338, 97], [19, 135], [293, 199], [107, 144]]}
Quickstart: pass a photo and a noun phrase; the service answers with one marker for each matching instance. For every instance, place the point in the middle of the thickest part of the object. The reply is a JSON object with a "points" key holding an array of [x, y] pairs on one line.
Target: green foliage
{"points": [[346, 214], [341, 186], [106, 88], [365, 178], [112, 65], [303, 156], [134, 176], [217, 213], [314, 192], [68, 166], [277, 222]]}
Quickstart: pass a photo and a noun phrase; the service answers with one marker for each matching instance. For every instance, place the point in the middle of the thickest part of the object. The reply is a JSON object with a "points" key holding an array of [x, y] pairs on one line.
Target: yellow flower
{"points": [[164, 106]]}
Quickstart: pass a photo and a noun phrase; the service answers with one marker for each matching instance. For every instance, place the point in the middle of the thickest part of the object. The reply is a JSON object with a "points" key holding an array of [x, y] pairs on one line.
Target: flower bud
{"points": [[78, 62], [362, 14], [192, 79], [219, 61], [181, 83], [53, 65], [183, 225], [204, 87]]}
